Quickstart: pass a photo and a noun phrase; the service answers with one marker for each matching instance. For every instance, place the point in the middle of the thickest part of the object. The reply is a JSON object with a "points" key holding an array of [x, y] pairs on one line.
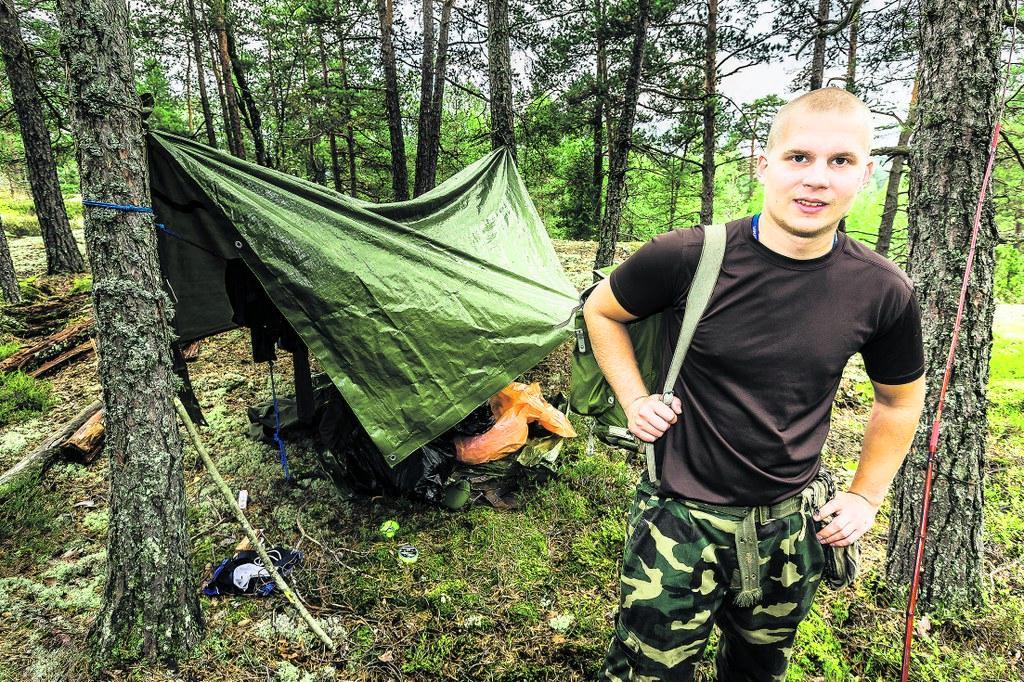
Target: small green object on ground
{"points": [[389, 528]]}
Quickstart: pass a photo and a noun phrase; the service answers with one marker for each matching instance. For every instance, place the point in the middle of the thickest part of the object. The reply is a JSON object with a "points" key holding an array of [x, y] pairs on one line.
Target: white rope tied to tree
{"points": [[314, 625]]}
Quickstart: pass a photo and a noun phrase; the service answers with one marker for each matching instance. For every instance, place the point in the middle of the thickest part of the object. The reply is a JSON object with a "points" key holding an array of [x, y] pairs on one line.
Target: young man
{"points": [[723, 536]]}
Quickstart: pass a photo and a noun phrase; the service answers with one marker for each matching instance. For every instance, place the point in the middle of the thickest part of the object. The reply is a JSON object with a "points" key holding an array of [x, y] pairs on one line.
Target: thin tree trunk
{"points": [[851, 54], [420, 184], [62, 253], [350, 136], [499, 68], [818, 61], [960, 43], [614, 198], [328, 112], [707, 185], [597, 127], [255, 120], [211, 136], [8, 277], [399, 171], [150, 604], [437, 101], [219, 9], [892, 188]]}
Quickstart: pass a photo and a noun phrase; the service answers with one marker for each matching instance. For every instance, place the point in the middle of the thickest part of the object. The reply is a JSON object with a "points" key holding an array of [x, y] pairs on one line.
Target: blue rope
{"points": [[277, 426], [127, 208]]}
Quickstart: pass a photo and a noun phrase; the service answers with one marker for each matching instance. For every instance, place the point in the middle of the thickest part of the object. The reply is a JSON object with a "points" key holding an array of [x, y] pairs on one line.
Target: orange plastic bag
{"points": [[514, 407]]}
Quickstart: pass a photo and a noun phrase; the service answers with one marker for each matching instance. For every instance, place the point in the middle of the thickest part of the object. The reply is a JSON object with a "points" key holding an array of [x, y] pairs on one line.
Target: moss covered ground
{"points": [[526, 594]]}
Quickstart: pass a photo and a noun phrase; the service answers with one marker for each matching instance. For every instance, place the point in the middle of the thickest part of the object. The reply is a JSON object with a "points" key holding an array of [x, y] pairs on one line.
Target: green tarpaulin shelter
{"points": [[418, 311]]}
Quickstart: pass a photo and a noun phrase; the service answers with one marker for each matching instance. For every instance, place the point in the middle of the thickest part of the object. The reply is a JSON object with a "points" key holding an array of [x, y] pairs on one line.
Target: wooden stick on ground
{"points": [[249, 532], [87, 442], [51, 447]]}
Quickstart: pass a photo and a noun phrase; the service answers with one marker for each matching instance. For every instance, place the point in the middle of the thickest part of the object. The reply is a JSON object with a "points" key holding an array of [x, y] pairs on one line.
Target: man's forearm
{"points": [[887, 439], [613, 350]]}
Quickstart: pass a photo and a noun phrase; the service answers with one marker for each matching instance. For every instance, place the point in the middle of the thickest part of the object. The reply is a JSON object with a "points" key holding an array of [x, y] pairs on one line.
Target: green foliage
{"points": [[9, 348], [1009, 275], [22, 396], [81, 284]]}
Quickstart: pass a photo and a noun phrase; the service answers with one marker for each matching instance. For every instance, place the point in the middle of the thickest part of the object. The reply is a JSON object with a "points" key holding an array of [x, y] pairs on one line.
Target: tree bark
{"points": [[620, 152], [597, 126], [818, 60], [420, 184], [851, 53], [218, 9], [437, 101], [8, 278], [255, 120], [960, 43], [707, 185], [328, 112], [204, 99], [892, 188], [399, 170], [150, 603], [350, 136], [62, 254], [499, 68]]}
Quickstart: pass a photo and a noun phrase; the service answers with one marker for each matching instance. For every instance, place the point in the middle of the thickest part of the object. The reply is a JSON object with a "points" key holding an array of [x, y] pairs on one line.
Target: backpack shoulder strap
{"points": [[704, 279]]}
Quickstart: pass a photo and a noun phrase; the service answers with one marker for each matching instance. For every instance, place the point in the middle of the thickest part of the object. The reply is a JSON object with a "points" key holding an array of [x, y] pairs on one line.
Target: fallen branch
{"points": [[49, 348], [249, 532], [45, 453], [64, 358], [87, 441]]}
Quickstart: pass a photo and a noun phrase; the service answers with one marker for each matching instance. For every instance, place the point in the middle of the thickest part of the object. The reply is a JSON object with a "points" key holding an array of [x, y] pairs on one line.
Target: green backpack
{"points": [[590, 394]]}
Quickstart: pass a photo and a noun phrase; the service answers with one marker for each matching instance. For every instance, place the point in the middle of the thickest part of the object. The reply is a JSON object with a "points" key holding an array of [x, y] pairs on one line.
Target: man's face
{"points": [[812, 174]]}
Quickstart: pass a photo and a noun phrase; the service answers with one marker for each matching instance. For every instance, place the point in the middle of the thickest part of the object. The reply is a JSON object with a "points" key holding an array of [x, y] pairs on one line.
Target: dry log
{"points": [[86, 443], [45, 453], [48, 348], [63, 359], [191, 351]]}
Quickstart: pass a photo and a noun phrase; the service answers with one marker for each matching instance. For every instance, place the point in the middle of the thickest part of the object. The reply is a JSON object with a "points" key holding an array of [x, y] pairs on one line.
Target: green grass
{"points": [[22, 396]]}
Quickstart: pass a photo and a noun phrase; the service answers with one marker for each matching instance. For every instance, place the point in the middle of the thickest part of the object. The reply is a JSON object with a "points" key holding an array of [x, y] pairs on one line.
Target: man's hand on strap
{"points": [[649, 417], [852, 516]]}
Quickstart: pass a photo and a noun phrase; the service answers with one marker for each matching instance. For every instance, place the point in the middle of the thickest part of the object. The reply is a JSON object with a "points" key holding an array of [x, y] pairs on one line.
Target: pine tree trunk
{"points": [[8, 277], [851, 54], [426, 100], [961, 42], [204, 99], [818, 60], [437, 100], [350, 137], [255, 120], [892, 188], [218, 8], [499, 68], [597, 125], [620, 152], [399, 170], [150, 605], [62, 253], [707, 185]]}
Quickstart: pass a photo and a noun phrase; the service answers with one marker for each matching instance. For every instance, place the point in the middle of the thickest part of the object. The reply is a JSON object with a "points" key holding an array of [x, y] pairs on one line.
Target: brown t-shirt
{"points": [[762, 370]]}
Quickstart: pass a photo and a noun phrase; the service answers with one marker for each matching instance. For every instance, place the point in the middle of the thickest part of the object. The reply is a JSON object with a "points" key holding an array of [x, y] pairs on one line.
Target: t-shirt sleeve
{"points": [[896, 356], [654, 277]]}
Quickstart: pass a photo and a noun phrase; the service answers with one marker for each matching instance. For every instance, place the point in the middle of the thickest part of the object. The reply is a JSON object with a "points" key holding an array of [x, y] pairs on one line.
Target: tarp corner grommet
{"points": [[238, 245]]}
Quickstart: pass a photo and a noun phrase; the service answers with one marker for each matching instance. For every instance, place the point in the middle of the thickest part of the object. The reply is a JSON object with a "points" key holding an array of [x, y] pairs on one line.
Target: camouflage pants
{"points": [[679, 577]]}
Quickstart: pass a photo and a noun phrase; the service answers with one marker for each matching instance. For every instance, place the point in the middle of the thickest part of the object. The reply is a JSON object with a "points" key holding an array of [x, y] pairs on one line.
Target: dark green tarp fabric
{"points": [[418, 311]]}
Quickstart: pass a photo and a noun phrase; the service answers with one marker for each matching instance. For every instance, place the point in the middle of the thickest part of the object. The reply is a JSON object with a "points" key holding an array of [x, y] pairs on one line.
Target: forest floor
{"points": [[526, 594]]}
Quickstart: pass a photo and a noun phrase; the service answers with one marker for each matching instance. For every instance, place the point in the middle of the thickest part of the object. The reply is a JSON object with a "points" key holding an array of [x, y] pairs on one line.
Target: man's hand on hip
{"points": [[852, 516], [649, 417]]}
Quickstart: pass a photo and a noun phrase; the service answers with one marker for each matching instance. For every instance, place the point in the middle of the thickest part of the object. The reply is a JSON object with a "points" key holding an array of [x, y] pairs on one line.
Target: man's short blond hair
{"points": [[823, 99]]}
